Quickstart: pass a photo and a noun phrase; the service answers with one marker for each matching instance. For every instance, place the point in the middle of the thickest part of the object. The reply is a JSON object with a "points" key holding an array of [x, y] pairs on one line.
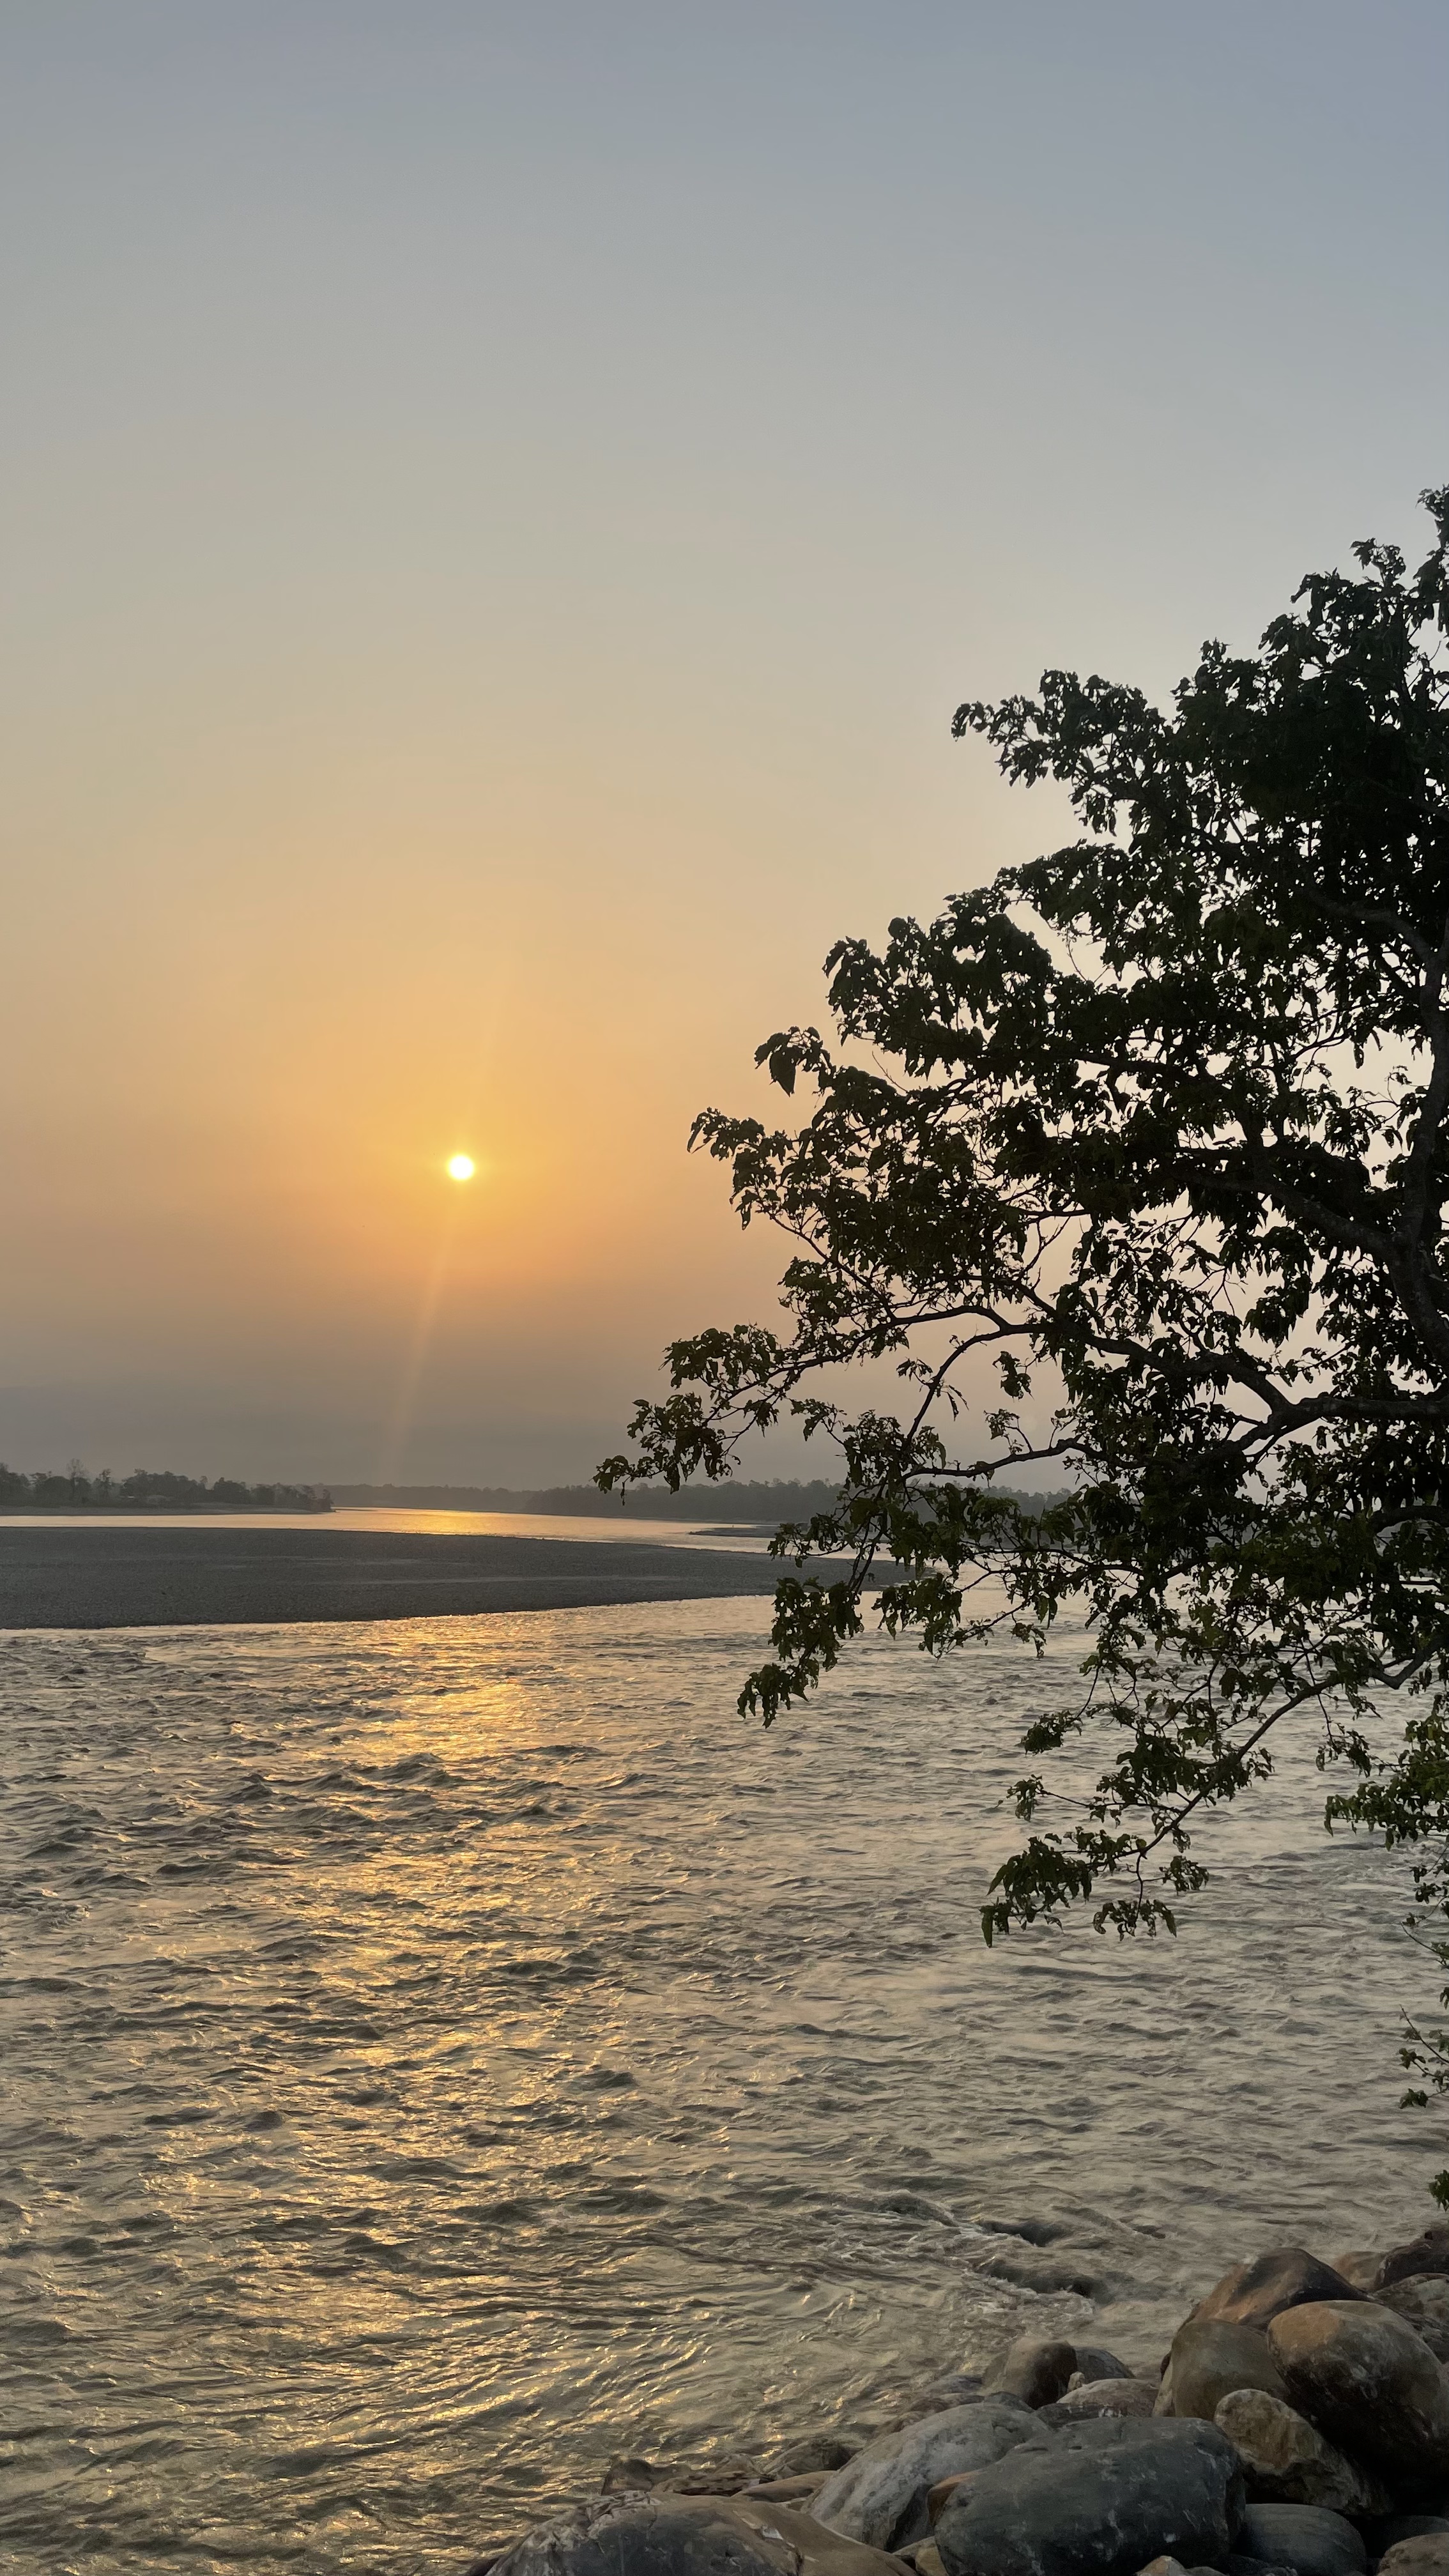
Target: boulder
{"points": [[1097, 2499], [812, 2451], [671, 2535], [1423, 2254], [928, 2559], [1423, 2302], [943, 2489], [1368, 2382], [879, 2497], [1427, 2554], [1035, 2372], [1209, 2356], [1095, 2362], [1287, 2461], [1360, 2270], [788, 2490], [1304, 2537], [1252, 2294], [1103, 2397]]}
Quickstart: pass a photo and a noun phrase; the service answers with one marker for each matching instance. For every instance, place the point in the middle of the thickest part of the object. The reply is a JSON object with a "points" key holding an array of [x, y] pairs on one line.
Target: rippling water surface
{"points": [[438, 2055]]}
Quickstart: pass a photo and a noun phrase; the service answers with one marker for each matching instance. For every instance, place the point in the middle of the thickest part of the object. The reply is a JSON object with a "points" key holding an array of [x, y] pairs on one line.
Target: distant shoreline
{"points": [[171, 1510]]}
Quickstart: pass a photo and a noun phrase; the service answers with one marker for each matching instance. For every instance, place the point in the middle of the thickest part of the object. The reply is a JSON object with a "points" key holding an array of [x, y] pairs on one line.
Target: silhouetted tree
{"points": [[1157, 1123]]}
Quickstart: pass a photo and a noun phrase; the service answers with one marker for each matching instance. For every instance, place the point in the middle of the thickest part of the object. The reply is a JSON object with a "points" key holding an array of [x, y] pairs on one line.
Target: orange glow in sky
{"points": [[499, 510]]}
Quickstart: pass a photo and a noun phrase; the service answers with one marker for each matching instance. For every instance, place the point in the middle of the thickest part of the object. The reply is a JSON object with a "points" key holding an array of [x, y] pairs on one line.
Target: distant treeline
{"points": [[754, 1503], [149, 1489]]}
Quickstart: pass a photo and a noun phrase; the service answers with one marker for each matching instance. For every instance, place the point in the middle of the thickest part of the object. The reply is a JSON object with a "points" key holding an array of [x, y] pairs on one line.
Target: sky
{"points": [[498, 508]]}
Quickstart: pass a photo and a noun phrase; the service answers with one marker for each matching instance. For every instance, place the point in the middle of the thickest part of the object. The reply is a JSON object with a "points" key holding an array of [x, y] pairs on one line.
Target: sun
{"points": [[461, 1167]]}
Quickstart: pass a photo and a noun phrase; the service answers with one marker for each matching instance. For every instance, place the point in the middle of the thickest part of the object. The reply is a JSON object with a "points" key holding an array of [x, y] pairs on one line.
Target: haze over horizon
{"points": [[499, 510]]}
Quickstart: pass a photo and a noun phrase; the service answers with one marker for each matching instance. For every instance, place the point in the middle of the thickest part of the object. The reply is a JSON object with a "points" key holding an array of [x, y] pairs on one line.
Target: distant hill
{"points": [[757, 1505]]}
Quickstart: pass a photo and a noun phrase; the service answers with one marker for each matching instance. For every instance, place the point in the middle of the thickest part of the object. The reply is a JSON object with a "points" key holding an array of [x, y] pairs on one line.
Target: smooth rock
{"points": [[1035, 2372], [1095, 2362], [788, 2490], [879, 2497], [943, 2489], [812, 2451], [1252, 2294], [1423, 2302], [1287, 2461], [1360, 2270], [1368, 2382], [1104, 2397], [671, 2535], [1302, 2536], [1422, 2254], [1427, 2554], [1210, 2356], [1097, 2499], [928, 2559]]}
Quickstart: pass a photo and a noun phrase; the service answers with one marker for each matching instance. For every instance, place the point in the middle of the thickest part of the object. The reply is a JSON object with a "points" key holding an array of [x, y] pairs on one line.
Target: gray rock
{"points": [[1426, 2554], [1422, 2300], [1287, 2461], [1423, 2254], [1103, 2397], [1305, 2537], [1368, 2382], [1209, 2357], [671, 2535], [812, 2451], [879, 2497], [1097, 2499], [1035, 2372], [1095, 2362], [1252, 2294]]}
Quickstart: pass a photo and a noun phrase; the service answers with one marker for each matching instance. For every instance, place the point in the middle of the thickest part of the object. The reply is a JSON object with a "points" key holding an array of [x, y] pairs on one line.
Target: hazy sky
{"points": [[499, 506]]}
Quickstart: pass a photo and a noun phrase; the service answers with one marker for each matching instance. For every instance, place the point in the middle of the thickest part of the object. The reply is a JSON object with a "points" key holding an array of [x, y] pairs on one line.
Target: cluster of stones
{"points": [[1300, 2424]]}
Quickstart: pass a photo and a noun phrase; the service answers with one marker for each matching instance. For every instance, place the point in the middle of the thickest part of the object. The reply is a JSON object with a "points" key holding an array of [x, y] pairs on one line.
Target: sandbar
{"points": [[110, 1577]]}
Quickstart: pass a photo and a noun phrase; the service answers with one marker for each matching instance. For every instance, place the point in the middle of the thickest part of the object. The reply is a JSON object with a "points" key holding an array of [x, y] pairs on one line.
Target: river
{"points": [[437, 2055]]}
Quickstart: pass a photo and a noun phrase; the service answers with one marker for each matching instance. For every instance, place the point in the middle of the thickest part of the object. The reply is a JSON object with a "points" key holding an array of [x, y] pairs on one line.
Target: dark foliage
{"points": [[1157, 1122], [150, 1489]]}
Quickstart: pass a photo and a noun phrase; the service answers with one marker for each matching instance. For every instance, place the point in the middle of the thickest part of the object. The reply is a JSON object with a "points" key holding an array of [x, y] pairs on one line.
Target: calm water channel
{"points": [[438, 2055]]}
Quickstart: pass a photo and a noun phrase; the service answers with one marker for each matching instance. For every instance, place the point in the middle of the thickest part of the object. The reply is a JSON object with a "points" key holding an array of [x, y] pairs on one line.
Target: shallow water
{"points": [[438, 2055]]}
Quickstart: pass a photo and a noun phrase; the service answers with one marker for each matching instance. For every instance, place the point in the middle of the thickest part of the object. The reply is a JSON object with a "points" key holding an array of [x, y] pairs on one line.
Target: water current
{"points": [[439, 2055]]}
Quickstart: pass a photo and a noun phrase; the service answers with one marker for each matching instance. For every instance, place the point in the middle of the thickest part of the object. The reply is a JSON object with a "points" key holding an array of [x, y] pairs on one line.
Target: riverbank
{"points": [[115, 1577], [1299, 2424]]}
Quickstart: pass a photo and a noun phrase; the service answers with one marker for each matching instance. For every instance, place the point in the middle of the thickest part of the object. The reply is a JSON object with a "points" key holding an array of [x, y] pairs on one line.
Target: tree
{"points": [[1157, 1123]]}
